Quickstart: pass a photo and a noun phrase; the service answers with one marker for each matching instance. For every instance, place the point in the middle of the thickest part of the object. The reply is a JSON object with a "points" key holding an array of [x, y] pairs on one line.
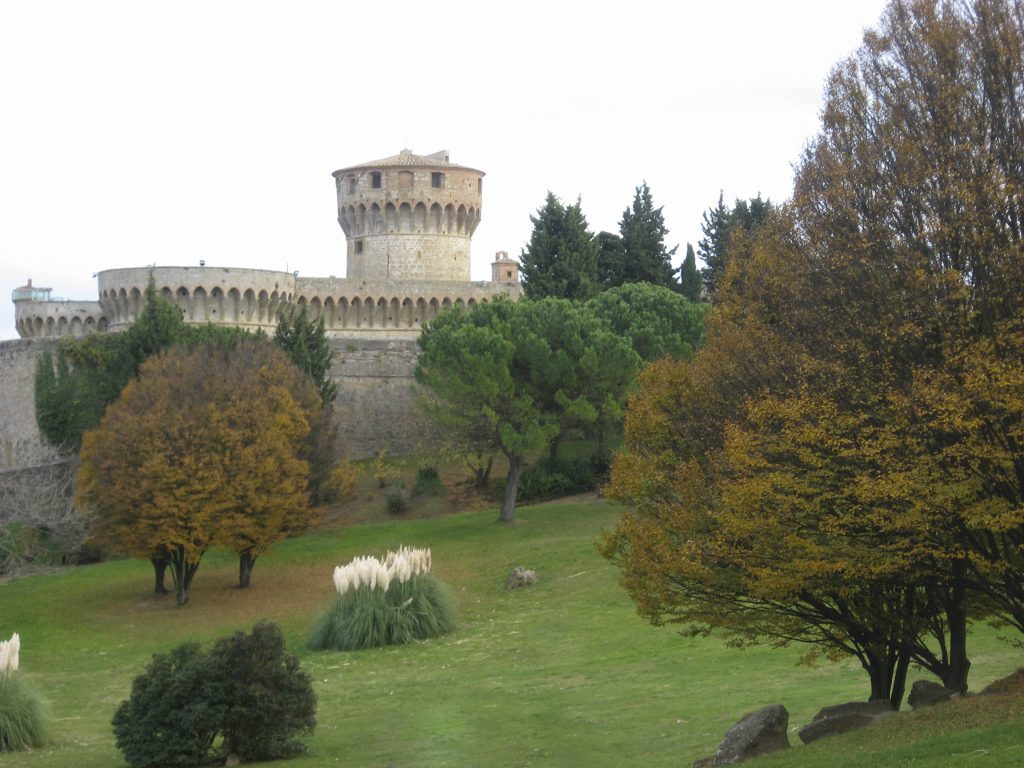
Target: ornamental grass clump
{"points": [[22, 725], [386, 601]]}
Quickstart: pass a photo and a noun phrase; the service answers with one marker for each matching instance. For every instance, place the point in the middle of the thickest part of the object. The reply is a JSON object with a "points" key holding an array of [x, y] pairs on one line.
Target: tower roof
{"points": [[407, 158]]}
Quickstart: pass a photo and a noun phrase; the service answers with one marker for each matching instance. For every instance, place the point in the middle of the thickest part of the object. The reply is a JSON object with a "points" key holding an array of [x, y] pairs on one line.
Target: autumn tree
{"points": [[562, 256], [204, 448], [840, 464]]}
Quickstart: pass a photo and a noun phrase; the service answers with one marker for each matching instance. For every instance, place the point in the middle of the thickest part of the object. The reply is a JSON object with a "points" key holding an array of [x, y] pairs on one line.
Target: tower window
{"points": [[375, 180], [351, 185], [359, 246], [437, 180]]}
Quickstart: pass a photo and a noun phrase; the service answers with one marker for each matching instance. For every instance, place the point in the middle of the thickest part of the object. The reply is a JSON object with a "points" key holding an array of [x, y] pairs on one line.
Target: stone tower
{"points": [[409, 217]]}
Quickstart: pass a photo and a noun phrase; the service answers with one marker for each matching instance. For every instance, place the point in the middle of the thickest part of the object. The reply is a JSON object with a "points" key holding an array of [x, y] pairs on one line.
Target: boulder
{"points": [[755, 734], [704, 762], [841, 718], [925, 693], [520, 577]]}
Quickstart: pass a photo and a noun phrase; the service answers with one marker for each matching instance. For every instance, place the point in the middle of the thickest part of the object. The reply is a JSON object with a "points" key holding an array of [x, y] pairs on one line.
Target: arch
{"points": [[361, 219], [472, 220], [90, 324], [405, 218], [249, 306], [421, 312], [460, 220], [357, 313], [434, 222], [329, 312], [376, 220], [122, 305], [381, 313], [394, 313], [51, 327], [419, 217], [199, 307], [274, 306], [135, 299], [390, 218], [62, 326], [471, 303], [234, 305], [262, 306], [167, 293], [460, 304], [449, 218], [433, 308], [217, 304], [77, 329], [103, 325], [341, 313], [184, 302], [315, 309], [407, 313], [446, 303], [37, 326]]}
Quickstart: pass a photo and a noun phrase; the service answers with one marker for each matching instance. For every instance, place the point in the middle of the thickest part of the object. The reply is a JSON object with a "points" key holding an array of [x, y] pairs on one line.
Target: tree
{"points": [[690, 282], [561, 258], [305, 342], [611, 260], [840, 464], [726, 233], [468, 362], [643, 231], [206, 447], [656, 320]]}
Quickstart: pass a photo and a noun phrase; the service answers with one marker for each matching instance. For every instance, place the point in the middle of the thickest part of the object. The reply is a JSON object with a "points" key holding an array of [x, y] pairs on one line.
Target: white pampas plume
{"points": [[341, 580], [5, 649], [15, 648]]}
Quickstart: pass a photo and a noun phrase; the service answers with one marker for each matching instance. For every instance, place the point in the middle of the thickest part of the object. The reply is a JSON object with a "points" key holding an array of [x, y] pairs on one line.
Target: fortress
{"points": [[408, 222]]}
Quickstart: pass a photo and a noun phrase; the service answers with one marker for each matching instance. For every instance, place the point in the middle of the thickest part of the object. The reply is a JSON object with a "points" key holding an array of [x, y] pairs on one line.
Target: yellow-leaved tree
{"points": [[209, 446]]}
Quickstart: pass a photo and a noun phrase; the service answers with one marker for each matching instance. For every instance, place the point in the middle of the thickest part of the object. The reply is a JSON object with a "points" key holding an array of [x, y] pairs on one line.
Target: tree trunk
{"points": [[955, 677], [483, 474], [899, 683], [182, 570], [159, 571], [508, 504], [246, 561], [553, 447]]}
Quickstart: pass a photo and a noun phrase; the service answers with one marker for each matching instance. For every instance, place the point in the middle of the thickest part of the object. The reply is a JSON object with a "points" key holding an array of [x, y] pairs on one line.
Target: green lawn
{"points": [[560, 674]]}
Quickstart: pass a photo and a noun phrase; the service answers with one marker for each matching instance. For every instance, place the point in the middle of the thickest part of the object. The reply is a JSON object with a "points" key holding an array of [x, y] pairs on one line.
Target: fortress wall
{"points": [[21, 446], [376, 408]]}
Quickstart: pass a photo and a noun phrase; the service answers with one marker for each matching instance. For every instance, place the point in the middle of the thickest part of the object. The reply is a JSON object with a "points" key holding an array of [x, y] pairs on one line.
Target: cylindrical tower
{"points": [[409, 217]]}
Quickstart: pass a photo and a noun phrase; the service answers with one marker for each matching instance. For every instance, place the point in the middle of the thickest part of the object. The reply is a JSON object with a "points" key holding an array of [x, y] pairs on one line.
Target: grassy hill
{"points": [[560, 674]]}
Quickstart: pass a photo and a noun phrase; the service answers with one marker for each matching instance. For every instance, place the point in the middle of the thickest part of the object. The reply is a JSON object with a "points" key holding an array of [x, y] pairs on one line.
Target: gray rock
{"points": [[755, 734], [841, 718], [925, 693], [704, 762], [520, 577]]}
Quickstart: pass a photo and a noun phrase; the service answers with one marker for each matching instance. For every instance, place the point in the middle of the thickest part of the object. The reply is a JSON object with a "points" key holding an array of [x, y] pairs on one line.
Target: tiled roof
{"points": [[407, 158]]}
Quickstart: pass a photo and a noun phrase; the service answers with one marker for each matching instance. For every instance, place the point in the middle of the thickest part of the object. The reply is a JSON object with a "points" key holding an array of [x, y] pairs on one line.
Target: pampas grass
{"points": [[391, 601], [22, 724]]}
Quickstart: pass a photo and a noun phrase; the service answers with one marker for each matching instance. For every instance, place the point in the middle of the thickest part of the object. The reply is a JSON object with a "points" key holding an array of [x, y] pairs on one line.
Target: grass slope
{"points": [[560, 674]]}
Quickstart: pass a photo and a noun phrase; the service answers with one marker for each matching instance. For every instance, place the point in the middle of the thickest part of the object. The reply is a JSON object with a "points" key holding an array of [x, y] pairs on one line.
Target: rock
{"points": [[841, 718], [925, 693], [704, 762], [755, 734], [1010, 684], [520, 577]]}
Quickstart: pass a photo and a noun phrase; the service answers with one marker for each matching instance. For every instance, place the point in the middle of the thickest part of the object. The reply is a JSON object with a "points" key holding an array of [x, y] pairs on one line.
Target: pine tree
{"points": [[305, 342], [643, 239], [561, 259], [689, 277]]}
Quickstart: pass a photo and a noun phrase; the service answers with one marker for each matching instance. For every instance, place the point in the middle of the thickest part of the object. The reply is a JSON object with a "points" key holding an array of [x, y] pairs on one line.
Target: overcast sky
{"points": [[135, 133]]}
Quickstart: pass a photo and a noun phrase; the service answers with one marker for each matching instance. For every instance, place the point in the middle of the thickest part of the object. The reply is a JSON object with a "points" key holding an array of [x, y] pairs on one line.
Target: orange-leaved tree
{"points": [[208, 446]]}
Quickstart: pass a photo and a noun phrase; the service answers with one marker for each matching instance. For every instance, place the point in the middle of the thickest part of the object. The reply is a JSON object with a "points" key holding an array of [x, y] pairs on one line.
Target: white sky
{"points": [[137, 132]]}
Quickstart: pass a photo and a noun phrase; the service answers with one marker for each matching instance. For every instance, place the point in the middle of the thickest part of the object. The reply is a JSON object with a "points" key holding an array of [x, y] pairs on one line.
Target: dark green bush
{"points": [[267, 699], [22, 724], [173, 714], [428, 483], [247, 692], [397, 501], [551, 478]]}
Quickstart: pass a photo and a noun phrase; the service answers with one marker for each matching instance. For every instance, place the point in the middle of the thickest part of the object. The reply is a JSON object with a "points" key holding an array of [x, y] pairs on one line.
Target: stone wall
{"points": [[21, 446]]}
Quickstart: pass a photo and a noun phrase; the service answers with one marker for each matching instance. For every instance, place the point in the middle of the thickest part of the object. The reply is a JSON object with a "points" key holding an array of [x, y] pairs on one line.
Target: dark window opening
{"points": [[437, 180], [351, 185], [359, 246], [375, 180]]}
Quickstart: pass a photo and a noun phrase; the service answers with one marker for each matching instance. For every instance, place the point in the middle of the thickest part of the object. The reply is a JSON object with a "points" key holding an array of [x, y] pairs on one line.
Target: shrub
{"points": [[267, 699], [551, 478], [384, 602], [22, 723], [341, 483], [428, 483], [397, 501], [173, 714], [383, 472], [246, 691]]}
